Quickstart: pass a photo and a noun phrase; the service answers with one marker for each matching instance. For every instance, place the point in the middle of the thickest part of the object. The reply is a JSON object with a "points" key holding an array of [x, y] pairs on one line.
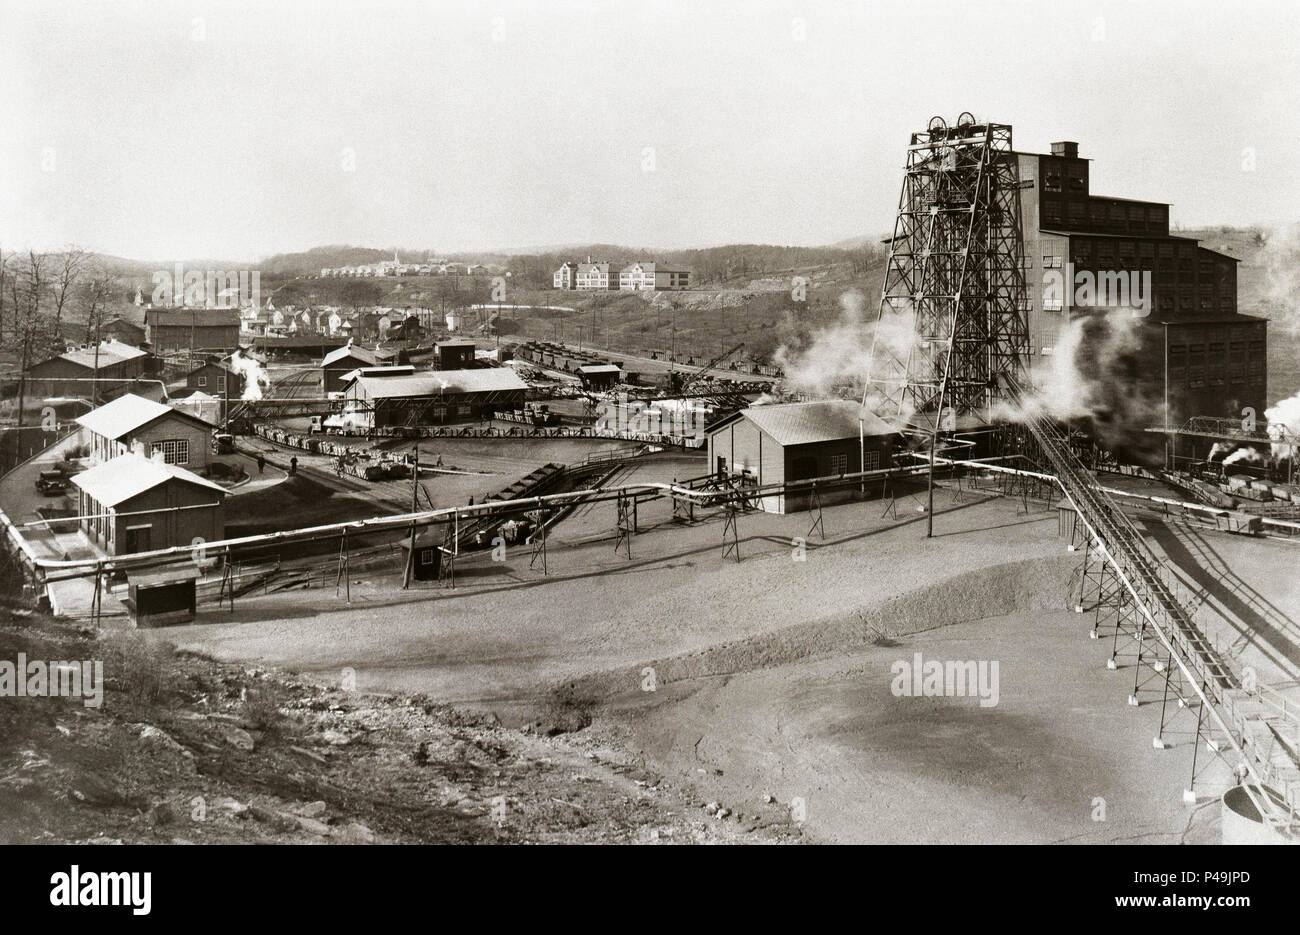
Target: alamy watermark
{"points": [[212, 288], [61, 679], [1110, 288], [662, 417], [934, 678]]}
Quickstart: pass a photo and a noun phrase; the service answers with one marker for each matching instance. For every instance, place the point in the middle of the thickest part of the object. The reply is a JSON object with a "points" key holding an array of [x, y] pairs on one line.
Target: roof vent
{"points": [[1067, 148]]}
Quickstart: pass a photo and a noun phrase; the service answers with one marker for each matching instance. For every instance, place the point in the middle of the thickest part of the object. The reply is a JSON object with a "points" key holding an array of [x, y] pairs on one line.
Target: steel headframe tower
{"points": [[952, 334]]}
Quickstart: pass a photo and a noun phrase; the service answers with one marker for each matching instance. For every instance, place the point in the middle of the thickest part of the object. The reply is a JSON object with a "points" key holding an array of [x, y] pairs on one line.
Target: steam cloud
{"points": [[1243, 454], [1285, 413], [1280, 259], [840, 355], [255, 378], [1096, 376]]}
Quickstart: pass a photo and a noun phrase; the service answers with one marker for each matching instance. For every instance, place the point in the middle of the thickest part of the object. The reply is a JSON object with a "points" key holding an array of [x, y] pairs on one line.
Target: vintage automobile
{"points": [[51, 483]]}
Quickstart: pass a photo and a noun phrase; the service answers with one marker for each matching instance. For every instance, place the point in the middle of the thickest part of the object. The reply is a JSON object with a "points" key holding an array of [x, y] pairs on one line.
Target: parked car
{"points": [[52, 483]]}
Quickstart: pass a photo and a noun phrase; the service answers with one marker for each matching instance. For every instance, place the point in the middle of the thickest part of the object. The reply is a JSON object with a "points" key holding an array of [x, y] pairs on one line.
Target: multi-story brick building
{"points": [[1199, 353]]}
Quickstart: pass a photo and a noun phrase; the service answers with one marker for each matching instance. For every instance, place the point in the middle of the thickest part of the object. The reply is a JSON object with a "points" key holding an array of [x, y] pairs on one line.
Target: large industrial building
{"points": [[193, 329], [1200, 354], [433, 398], [785, 442], [104, 370]]}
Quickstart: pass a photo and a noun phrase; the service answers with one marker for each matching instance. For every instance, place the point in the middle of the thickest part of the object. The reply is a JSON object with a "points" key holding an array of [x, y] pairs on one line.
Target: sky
{"points": [[195, 129]]}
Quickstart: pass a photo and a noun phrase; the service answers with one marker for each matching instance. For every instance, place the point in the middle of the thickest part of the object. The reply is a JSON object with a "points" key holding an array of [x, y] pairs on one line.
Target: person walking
{"points": [[261, 462]]}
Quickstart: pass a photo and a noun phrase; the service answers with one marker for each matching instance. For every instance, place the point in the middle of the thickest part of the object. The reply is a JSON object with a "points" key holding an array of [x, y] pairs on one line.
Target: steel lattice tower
{"points": [[952, 329]]}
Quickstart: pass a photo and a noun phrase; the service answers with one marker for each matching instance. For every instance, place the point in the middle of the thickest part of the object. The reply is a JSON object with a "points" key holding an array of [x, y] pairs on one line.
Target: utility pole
{"points": [[415, 505]]}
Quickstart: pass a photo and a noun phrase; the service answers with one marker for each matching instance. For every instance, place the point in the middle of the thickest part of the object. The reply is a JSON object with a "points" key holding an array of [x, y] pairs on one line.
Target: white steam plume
{"points": [[840, 355], [1243, 454], [255, 378], [1284, 416], [1280, 259]]}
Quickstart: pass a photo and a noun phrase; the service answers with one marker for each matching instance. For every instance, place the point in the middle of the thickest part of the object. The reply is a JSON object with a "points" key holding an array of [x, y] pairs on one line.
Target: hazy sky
{"points": [[160, 130]]}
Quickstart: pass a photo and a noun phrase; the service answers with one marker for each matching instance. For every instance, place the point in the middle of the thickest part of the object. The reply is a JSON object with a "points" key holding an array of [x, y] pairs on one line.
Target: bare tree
{"points": [[63, 281], [95, 296], [33, 336]]}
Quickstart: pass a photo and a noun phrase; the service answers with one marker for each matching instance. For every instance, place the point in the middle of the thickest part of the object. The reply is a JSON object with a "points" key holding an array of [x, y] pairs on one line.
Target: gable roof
{"points": [[129, 413], [487, 380], [817, 421], [356, 352], [129, 475], [110, 353], [387, 373]]}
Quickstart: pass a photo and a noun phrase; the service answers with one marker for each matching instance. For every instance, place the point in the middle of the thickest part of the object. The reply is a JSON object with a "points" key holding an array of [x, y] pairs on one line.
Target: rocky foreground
{"points": [[186, 750]]}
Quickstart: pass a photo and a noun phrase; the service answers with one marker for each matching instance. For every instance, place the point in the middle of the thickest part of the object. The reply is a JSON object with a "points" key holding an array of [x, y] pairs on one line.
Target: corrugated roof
{"points": [[130, 475], [819, 421], [398, 370], [370, 357], [110, 353], [443, 381], [126, 414]]}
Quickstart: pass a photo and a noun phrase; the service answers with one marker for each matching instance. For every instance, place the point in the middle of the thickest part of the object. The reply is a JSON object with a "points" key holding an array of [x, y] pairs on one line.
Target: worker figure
{"points": [[293, 465], [261, 462]]}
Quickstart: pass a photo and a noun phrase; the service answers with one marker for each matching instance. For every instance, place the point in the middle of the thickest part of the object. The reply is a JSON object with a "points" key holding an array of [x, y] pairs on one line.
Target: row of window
{"points": [[1102, 215], [175, 450]]}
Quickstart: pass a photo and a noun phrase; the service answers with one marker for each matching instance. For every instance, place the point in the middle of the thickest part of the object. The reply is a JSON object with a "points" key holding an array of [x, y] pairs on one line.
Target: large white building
{"points": [[596, 276], [652, 276]]}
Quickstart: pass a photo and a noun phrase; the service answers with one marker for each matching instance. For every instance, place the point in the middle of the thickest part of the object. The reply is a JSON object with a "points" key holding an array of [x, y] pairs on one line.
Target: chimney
{"points": [[1067, 148]]}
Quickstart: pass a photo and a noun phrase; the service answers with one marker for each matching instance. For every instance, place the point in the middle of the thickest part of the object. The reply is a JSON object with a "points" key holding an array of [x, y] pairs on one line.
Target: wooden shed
{"points": [[162, 597]]}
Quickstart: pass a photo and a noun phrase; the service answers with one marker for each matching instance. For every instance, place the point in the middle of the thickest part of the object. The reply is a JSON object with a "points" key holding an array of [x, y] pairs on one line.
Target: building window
{"points": [[201, 381], [221, 384], [839, 463], [175, 450], [1051, 262]]}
